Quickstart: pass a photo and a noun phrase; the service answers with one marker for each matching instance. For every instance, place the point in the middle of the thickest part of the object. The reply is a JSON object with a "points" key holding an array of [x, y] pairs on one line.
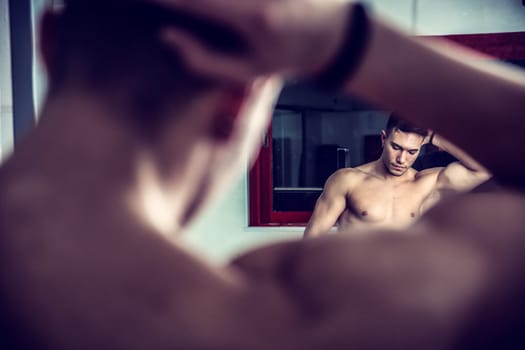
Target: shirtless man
{"points": [[130, 145], [388, 192]]}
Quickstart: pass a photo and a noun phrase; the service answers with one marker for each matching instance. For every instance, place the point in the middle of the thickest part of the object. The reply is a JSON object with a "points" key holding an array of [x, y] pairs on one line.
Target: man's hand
{"points": [[429, 138], [289, 37]]}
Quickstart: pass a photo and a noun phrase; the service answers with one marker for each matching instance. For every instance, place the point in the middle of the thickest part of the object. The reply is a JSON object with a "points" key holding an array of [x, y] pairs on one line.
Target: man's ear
{"points": [[227, 113], [49, 31], [383, 138]]}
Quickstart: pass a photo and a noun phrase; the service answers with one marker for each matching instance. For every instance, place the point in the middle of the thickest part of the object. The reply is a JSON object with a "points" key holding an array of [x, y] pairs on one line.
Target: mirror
{"points": [[314, 133]]}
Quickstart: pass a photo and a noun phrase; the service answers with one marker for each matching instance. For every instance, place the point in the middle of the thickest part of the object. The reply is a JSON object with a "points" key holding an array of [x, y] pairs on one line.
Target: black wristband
{"points": [[349, 56]]}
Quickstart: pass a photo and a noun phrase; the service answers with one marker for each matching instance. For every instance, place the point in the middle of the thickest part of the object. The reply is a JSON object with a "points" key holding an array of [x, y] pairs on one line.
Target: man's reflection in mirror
{"points": [[393, 191]]}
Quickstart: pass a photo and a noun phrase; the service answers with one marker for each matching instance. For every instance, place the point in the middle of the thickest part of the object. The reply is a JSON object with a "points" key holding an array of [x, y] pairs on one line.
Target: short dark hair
{"points": [[397, 123], [117, 43]]}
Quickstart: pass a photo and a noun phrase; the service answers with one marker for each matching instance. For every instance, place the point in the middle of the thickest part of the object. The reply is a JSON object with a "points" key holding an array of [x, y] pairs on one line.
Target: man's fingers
{"points": [[204, 60], [270, 88], [259, 108], [264, 93]]}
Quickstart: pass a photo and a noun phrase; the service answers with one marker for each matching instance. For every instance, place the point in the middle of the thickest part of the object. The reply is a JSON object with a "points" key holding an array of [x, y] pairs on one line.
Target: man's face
{"points": [[400, 150]]}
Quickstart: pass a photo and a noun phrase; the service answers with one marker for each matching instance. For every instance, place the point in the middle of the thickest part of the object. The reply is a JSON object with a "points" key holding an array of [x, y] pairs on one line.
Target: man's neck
{"points": [[381, 171], [80, 150]]}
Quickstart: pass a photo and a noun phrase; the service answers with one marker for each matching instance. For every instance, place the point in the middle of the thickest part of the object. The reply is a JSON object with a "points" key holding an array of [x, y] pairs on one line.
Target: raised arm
{"points": [[88, 269], [329, 206], [470, 91], [460, 176], [308, 35]]}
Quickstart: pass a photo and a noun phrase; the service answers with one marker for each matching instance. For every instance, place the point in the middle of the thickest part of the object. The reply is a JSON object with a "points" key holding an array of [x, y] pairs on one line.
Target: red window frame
{"points": [[505, 46]]}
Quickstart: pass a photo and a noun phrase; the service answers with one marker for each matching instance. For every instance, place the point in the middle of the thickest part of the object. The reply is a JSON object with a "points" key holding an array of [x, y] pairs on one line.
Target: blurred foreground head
{"points": [[113, 48], [110, 53]]}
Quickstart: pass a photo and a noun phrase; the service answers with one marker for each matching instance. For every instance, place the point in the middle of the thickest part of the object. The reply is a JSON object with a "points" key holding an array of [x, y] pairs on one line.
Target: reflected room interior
{"points": [[313, 134]]}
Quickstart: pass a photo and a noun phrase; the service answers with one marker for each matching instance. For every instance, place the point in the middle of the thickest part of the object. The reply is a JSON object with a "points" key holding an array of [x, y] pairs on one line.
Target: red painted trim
{"points": [[290, 218], [504, 46], [507, 46], [266, 180], [254, 194], [260, 185]]}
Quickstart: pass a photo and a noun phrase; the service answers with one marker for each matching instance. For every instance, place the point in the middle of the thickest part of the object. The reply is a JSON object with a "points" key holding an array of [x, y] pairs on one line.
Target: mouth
{"points": [[397, 167]]}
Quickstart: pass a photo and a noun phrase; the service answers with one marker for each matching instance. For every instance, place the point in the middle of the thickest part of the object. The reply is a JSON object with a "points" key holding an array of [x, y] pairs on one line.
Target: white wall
{"points": [[476, 16], [39, 77], [6, 101], [440, 17], [222, 230], [400, 12]]}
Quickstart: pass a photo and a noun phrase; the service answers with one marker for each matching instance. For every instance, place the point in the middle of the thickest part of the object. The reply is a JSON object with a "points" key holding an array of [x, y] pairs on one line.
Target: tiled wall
{"points": [[474, 16], [439, 17], [400, 12]]}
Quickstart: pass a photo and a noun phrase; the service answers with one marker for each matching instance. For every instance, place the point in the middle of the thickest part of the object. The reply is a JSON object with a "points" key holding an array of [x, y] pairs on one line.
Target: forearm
{"points": [[434, 84], [317, 228], [413, 77]]}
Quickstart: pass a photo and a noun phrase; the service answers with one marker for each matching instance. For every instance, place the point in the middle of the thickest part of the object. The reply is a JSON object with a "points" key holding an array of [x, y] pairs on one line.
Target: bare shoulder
{"points": [[496, 216], [481, 236], [482, 221], [269, 261], [488, 225], [348, 173], [345, 178]]}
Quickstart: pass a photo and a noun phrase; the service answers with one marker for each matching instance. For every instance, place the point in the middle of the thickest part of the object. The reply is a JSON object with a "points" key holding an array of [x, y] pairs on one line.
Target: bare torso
{"points": [[386, 202]]}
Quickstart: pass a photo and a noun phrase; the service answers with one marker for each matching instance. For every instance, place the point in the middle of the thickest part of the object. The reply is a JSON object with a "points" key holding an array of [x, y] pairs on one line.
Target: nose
{"points": [[401, 157]]}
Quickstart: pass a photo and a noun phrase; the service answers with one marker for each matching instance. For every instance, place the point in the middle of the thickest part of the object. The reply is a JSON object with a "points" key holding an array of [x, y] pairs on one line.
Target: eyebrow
{"points": [[404, 149]]}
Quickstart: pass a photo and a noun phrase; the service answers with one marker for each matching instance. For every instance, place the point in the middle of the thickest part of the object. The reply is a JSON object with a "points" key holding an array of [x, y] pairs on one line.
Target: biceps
{"points": [[329, 207], [456, 177]]}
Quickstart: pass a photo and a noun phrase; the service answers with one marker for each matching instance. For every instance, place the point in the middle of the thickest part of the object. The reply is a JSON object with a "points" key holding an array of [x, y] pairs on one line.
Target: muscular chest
{"points": [[377, 202]]}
